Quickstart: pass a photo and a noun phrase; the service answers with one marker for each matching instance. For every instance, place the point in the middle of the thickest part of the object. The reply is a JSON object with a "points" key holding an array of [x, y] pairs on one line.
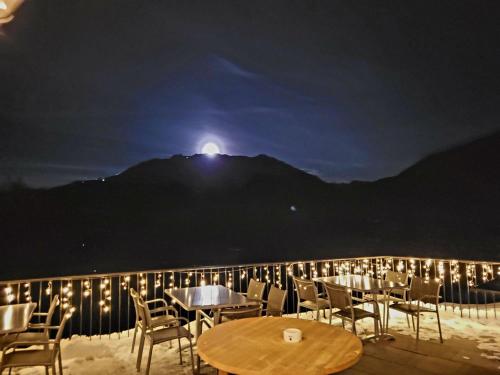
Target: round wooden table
{"points": [[256, 346]]}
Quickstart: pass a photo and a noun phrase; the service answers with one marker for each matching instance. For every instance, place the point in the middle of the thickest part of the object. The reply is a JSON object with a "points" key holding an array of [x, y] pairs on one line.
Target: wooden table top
{"points": [[15, 318], [207, 297], [256, 346], [362, 283]]}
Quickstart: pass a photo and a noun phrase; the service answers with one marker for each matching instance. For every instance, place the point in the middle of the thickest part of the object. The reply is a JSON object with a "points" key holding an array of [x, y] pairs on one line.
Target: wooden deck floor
{"points": [[406, 356]]}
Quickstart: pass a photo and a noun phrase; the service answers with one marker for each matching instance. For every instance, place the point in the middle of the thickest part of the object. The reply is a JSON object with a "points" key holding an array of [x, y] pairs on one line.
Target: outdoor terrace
{"points": [[103, 315]]}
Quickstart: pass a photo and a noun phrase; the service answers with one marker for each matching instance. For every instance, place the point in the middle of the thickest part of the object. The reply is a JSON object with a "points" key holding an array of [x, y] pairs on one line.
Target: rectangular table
{"points": [[367, 284], [208, 297], [15, 318]]}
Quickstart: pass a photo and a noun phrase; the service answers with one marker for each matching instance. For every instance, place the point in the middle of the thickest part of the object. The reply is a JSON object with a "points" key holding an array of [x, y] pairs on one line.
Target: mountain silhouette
{"points": [[201, 210]]}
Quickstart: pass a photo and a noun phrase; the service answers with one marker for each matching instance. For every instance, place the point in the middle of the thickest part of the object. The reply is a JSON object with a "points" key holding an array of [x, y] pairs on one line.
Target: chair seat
{"points": [[27, 358], [358, 314], [167, 334], [25, 336], [409, 308], [311, 305]]}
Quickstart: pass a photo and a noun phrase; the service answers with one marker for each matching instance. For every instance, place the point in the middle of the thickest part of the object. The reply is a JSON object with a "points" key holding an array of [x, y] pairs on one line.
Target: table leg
{"points": [[198, 324], [198, 333]]}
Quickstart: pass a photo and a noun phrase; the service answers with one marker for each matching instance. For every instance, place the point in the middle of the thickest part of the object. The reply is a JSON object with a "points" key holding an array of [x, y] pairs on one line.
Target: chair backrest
{"points": [[338, 296], [255, 290], [424, 291], [144, 313], [397, 277], [52, 309], [60, 330], [135, 296], [306, 290], [275, 301]]}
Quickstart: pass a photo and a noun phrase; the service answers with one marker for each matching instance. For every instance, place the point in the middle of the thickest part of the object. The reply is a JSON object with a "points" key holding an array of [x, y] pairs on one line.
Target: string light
{"points": [[158, 280], [27, 292], [105, 301], [9, 291], [86, 288], [455, 275], [125, 282], [143, 284]]}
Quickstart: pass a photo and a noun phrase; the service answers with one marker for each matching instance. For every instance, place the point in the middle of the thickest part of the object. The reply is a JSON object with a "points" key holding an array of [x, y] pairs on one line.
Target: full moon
{"points": [[210, 149]]}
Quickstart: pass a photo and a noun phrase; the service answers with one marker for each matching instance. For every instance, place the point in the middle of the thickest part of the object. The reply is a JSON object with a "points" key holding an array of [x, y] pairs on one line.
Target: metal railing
{"points": [[101, 304]]}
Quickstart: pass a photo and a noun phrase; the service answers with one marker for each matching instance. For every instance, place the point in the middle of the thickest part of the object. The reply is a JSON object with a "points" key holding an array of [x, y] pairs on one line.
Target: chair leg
{"points": [[317, 314], [139, 355], [354, 327], [330, 320], [133, 339], [191, 354], [180, 350], [149, 357], [413, 322], [408, 320], [60, 363], [439, 325], [418, 323], [298, 311], [376, 309], [343, 323], [54, 368], [46, 371], [376, 324]]}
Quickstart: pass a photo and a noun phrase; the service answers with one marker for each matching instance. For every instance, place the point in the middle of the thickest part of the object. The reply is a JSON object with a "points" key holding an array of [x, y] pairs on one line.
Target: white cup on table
{"points": [[292, 335]]}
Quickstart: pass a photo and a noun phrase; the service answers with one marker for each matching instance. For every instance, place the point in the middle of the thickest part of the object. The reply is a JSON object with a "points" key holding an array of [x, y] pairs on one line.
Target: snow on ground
{"points": [[112, 355]]}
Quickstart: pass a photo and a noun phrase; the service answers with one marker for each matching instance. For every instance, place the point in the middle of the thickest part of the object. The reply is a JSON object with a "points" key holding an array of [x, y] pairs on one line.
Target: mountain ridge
{"points": [[203, 210]]}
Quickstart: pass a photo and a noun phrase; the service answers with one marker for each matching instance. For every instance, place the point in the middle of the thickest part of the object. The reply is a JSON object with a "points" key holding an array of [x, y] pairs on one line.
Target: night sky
{"points": [[345, 90]]}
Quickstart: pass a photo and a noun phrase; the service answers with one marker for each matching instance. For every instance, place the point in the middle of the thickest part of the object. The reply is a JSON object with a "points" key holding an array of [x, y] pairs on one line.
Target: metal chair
{"points": [[308, 297], [421, 292], [34, 336], [339, 298], [159, 320], [45, 356], [275, 302], [157, 336], [255, 292], [395, 295]]}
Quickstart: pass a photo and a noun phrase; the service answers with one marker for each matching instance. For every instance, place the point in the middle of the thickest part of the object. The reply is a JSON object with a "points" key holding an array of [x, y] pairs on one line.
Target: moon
{"points": [[210, 149]]}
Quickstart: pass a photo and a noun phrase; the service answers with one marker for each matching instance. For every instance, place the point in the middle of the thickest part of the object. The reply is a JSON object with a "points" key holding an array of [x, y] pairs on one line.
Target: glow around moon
{"points": [[210, 149]]}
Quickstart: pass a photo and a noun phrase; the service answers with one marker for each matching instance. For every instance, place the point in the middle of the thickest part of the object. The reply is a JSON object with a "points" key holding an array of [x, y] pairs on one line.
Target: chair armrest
{"points": [[164, 309], [40, 314], [157, 300], [52, 327], [16, 344], [37, 325], [164, 323], [176, 320]]}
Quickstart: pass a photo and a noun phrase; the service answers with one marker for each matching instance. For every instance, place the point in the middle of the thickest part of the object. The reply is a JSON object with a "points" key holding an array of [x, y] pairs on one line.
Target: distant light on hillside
{"points": [[210, 149]]}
